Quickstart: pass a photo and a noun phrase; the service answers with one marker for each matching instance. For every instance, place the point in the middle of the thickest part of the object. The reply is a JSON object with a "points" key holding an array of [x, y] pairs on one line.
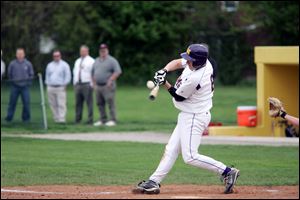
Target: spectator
{"points": [[106, 70], [82, 80], [20, 72], [58, 76], [2, 66]]}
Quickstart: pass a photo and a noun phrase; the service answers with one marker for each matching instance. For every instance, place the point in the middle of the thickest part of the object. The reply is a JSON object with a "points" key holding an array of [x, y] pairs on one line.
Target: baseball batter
{"points": [[192, 95]]}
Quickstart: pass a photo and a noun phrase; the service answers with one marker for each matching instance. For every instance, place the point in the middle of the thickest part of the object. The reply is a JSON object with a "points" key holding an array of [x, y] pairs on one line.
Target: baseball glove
{"points": [[275, 107]]}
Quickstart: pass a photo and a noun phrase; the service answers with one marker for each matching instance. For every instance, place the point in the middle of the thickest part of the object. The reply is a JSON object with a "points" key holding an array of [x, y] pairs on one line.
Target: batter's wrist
{"points": [[167, 85]]}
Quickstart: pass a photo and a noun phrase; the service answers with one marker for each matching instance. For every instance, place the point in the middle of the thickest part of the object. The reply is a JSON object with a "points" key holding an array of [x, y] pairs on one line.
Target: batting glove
{"points": [[160, 77]]}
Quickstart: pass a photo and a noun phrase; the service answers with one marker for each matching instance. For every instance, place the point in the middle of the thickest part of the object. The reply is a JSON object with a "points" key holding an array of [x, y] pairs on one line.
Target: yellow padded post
{"points": [[278, 76]]}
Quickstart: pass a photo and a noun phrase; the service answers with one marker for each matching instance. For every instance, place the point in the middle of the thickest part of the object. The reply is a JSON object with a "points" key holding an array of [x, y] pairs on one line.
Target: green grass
{"points": [[44, 162], [135, 112]]}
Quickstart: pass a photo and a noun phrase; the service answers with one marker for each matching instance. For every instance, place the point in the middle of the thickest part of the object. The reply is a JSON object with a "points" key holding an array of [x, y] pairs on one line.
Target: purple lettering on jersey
{"points": [[178, 82]]}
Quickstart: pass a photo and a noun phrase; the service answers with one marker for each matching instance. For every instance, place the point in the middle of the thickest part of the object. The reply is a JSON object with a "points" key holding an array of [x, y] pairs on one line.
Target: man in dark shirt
{"points": [[20, 73]]}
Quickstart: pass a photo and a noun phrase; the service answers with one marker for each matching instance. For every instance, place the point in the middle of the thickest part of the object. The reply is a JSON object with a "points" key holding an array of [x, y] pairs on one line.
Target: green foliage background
{"points": [[145, 35]]}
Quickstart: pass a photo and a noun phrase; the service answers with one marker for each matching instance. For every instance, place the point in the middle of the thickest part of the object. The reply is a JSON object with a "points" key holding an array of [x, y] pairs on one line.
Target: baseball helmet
{"points": [[197, 53]]}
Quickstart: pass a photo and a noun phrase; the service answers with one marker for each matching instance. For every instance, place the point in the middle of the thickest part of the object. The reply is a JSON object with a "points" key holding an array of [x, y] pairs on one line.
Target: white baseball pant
{"points": [[186, 139]]}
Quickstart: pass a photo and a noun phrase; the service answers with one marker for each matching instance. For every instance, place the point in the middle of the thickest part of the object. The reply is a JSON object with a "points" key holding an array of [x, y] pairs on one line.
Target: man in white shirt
{"points": [[192, 95], [82, 80], [58, 76]]}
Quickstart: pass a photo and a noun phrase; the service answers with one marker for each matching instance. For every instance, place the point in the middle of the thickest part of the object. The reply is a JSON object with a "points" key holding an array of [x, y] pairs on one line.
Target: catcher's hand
{"points": [[275, 107], [160, 77]]}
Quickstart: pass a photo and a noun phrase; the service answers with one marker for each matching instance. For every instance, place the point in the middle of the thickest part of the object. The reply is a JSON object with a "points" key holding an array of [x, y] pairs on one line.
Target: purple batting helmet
{"points": [[197, 53]]}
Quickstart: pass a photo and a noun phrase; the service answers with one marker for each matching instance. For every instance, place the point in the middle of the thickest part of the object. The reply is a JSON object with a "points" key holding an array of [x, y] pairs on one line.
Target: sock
{"points": [[226, 171]]}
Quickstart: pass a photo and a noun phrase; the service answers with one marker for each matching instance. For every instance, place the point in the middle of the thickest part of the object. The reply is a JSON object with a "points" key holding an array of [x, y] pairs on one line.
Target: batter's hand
{"points": [[160, 77]]}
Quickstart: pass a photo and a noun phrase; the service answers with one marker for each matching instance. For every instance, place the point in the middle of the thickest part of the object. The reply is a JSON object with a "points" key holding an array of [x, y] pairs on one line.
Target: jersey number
{"points": [[212, 83]]}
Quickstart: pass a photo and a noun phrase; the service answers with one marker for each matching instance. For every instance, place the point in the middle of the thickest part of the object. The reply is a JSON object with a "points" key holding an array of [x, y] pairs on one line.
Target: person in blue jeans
{"points": [[20, 73]]}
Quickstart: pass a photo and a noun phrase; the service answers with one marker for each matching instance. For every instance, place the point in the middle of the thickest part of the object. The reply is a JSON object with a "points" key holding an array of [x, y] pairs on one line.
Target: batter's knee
{"points": [[187, 158]]}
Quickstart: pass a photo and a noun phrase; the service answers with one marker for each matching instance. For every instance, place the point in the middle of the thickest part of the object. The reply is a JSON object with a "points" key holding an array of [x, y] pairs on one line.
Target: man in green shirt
{"points": [[105, 72]]}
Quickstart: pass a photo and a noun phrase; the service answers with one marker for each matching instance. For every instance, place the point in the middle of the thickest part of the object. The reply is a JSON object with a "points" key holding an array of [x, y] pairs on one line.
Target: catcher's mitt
{"points": [[275, 107]]}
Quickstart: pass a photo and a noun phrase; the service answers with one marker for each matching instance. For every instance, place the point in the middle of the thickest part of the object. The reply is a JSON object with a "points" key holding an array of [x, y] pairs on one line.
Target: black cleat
{"points": [[147, 187]]}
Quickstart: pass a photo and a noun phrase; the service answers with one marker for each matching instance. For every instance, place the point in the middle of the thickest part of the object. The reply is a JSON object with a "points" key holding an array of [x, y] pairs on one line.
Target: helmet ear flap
{"points": [[199, 63]]}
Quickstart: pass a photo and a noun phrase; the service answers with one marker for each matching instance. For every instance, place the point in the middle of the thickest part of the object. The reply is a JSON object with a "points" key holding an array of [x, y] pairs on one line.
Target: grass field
{"points": [[135, 112], [44, 162]]}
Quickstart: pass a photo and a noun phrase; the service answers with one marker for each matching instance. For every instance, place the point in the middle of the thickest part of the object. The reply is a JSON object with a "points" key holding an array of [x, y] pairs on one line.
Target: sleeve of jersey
{"points": [[183, 63], [186, 89]]}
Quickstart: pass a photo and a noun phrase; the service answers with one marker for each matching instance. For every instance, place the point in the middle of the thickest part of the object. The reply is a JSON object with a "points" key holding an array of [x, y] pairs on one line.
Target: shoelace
{"points": [[225, 179]]}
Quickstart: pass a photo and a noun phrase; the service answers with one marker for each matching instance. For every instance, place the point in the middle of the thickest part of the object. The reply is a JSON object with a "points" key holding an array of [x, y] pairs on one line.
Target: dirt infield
{"points": [[167, 191]]}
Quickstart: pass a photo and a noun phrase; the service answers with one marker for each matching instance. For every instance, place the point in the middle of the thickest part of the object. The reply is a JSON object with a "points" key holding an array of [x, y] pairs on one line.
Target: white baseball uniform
{"points": [[197, 87]]}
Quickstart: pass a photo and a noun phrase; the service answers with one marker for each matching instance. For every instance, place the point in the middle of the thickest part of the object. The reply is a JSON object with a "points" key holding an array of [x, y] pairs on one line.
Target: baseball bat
{"points": [[153, 93]]}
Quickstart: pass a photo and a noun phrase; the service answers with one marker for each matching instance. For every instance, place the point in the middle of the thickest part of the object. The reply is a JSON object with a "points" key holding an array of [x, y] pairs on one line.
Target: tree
{"points": [[145, 35], [22, 24], [281, 20], [230, 34]]}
